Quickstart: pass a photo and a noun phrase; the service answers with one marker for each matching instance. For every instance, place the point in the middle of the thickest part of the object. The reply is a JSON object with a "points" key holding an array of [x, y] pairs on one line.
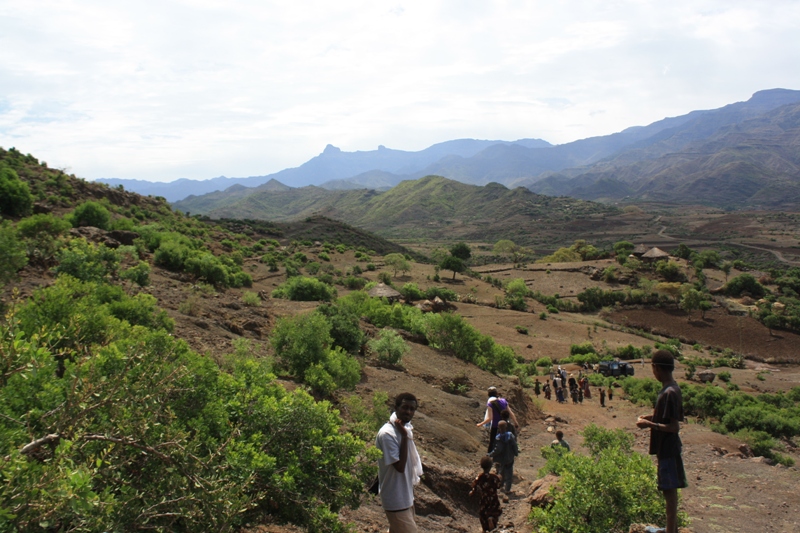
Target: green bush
{"points": [[445, 294], [41, 233], [15, 197], [139, 274], [12, 253], [583, 348], [345, 330], [389, 347], [724, 376], [744, 283], [411, 292], [545, 362], [305, 290], [90, 213], [87, 261], [251, 299], [607, 491]]}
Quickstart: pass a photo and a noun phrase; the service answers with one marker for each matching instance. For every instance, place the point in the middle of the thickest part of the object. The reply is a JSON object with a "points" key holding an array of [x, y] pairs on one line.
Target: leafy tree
{"points": [[516, 292], [514, 251], [670, 289], [397, 262], [461, 250], [682, 251], [345, 330], [706, 259], [90, 213], [691, 300], [454, 264], [772, 322], [744, 283], [411, 292], [15, 197], [12, 253], [704, 306], [623, 248], [585, 250]]}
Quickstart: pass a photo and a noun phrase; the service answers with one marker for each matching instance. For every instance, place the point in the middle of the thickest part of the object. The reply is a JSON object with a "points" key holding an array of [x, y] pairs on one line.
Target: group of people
{"points": [[400, 467], [569, 387]]}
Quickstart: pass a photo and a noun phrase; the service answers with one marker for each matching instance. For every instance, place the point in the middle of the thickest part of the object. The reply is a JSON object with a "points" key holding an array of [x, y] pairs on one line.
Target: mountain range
{"points": [[743, 155]]}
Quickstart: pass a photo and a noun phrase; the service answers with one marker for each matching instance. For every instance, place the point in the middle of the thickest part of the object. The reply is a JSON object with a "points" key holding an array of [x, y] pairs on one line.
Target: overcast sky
{"points": [[167, 89]]}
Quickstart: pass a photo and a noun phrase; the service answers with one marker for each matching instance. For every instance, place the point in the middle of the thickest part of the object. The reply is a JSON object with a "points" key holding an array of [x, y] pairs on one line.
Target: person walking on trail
{"points": [[486, 486], [602, 397], [504, 454], [400, 467], [494, 406], [665, 441], [560, 442], [547, 391], [537, 387]]}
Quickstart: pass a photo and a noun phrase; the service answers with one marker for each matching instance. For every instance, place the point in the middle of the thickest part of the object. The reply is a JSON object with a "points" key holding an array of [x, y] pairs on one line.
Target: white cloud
{"points": [[189, 88]]}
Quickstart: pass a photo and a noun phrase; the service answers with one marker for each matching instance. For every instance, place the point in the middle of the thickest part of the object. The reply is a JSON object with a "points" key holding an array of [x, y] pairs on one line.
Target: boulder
{"points": [[539, 493]]}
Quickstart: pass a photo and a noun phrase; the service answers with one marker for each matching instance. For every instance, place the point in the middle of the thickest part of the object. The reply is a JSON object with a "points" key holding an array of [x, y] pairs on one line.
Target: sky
{"points": [[168, 89]]}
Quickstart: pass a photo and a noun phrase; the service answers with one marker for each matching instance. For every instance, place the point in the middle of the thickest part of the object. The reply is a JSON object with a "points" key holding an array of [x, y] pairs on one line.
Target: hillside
{"points": [[167, 403], [429, 208], [751, 164]]}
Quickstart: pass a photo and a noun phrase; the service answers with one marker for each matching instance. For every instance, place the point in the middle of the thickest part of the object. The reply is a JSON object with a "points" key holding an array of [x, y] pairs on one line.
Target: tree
{"points": [[461, 250], [671, 289], [623, 248], [682, 251], [705, 305], [772, 321], [509, 248], [691, 300], [726, 268], [15, 197], [397, 262], [453, 263]]}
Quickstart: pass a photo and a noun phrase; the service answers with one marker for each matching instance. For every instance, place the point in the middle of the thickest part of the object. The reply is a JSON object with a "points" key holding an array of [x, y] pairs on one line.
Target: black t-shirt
{"points": [[669, 405]]}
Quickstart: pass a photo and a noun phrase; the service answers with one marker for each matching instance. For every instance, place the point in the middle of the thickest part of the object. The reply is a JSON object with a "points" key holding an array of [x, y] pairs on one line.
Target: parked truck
{"points": [[615, 368]]}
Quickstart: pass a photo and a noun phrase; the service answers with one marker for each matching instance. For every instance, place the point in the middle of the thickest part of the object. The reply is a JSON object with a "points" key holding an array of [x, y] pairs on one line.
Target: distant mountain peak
{"points": [[331, 149]]}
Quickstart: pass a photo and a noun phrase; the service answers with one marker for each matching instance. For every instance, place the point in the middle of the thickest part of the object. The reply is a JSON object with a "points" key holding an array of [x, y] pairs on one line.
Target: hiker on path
{"points": [[486, 486], [536, 387], [665, 441], [400, 467], [494, 406], [504, 454]]}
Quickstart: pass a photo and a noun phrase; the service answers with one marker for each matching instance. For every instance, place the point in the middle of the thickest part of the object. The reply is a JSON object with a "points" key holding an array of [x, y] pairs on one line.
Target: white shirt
{"points": [[396, 488]]}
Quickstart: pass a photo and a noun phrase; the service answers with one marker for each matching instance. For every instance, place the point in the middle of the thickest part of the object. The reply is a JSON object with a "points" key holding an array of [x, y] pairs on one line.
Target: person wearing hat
{"points": [[494, 406]]}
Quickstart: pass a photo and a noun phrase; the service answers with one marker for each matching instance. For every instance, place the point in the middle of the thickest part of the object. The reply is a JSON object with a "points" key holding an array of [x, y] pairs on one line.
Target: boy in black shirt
{"points": [[665, 443]]}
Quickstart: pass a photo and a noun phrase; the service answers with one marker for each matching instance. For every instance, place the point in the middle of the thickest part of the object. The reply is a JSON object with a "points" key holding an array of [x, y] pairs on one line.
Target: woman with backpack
{"points": [[494, 406]]}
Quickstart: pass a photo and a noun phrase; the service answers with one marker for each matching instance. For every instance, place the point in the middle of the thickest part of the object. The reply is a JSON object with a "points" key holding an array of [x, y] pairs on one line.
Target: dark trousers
{"points": [[492, 437]]}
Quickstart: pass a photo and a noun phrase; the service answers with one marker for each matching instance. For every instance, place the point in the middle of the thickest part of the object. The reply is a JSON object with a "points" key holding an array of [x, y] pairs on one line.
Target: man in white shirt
{"points": [[400, 468]]}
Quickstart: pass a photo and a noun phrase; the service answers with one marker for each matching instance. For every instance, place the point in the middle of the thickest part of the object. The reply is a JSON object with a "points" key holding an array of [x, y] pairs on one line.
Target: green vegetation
{"points": [[15, 196], [605, 492], [12, 253], [389, 347], [305, 290], [90, 213]]}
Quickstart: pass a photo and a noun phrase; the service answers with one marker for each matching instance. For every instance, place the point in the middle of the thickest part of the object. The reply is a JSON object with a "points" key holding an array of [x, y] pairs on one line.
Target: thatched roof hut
{"points": [[639, 250], [381, 290], [655, 254]]}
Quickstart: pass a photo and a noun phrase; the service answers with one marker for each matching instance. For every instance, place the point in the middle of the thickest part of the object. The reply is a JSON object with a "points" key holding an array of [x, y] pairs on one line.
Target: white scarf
{"points": [[413, 456]]}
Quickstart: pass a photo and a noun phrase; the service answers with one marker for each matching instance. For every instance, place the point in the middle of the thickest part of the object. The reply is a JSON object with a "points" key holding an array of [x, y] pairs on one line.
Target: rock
{"points": [[746, 451], [233, 305], [539, 493], [202, 324], [123, 236]]}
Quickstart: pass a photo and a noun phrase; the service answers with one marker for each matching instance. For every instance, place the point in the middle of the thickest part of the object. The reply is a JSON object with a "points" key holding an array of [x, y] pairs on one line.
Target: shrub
{"points": [[305, 290], [139, 274], [354, 283], [90, 213], [724, 376], [583, 348], [345, 330], [251, 299], [411, 292], [389, 347], [87, 261], [545, 362], [607, 491], [12, 253], [323, 256], [41, 233], [445, 294], [15, 197], [744, 283]]}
